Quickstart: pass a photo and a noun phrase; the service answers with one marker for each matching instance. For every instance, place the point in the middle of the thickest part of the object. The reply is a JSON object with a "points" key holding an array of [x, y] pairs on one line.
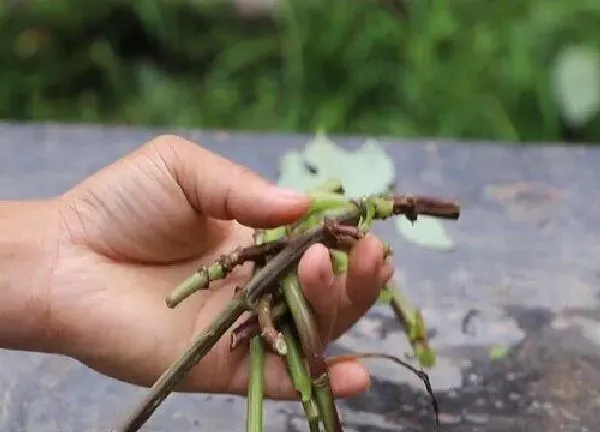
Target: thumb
{"points": [[221, 189]]}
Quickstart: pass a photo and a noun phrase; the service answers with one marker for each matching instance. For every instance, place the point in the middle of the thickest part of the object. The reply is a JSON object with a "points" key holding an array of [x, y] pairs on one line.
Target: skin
{"points": [[85, 274]]}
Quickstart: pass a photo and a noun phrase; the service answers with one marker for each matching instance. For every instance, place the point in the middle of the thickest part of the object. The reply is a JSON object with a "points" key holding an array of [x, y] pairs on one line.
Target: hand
{"points": [[134, 230]]}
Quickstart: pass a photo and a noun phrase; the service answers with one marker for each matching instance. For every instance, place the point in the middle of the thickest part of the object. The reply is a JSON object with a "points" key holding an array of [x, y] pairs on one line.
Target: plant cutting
{"points": [[280, 319]]}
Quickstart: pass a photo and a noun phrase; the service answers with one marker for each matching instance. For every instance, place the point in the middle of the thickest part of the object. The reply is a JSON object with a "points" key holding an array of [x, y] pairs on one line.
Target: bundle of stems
{"points": [[281, 319]]}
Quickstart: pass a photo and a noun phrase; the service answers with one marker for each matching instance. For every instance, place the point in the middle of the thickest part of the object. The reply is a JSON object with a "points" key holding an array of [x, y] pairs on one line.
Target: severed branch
{"points": [[267, 326], [267, 278], [219, 269], [413, 205], [249, 328]]}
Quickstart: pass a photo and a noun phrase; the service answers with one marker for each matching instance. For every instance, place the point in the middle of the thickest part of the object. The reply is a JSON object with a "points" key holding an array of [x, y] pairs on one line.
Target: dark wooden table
{"points": [[527, 259]]}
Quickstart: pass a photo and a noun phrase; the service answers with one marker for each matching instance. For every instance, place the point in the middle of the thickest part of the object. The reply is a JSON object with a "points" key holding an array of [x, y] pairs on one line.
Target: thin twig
{"points": [[249, 328], [421, 374], [267, 326]]}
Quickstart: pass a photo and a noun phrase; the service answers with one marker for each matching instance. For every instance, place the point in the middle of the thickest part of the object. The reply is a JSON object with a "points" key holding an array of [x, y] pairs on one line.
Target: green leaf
{"points": [[426, 231], [368, 170], [576, 81]]}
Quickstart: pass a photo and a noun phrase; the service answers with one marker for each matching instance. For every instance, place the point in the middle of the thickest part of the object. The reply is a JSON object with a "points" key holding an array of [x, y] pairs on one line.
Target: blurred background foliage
{"points": [[517, 70]]}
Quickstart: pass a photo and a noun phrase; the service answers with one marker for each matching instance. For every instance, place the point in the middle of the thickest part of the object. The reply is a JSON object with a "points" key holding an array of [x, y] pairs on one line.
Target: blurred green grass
{"points": [[470, 69]]}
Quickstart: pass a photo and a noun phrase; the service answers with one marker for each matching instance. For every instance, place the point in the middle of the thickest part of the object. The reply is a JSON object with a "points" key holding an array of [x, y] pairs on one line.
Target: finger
{"points": [[347, 378], [222, 189], [316, 278], [364, 280]]}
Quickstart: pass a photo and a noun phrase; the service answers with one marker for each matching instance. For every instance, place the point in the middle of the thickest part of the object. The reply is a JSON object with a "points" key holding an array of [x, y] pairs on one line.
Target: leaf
{"points": [[576, 82], [293, 174], [426, 231], [368, 170]]}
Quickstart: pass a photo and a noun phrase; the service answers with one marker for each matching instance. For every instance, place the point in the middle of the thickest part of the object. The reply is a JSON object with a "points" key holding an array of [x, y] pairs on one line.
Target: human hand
{"points": [[132, 231]]}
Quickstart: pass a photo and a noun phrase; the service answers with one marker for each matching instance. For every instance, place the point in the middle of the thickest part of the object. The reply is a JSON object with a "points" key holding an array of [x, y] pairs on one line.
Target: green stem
{"points": [[313, 349], [254, 408], [222, 267], [300, 378], [321, 201], [366, 220], [325, 197], [326, 404], [254, 416], [370, 208], [413, 324]]}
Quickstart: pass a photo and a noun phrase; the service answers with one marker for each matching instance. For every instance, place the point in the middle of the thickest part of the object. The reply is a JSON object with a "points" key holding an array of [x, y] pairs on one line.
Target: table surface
{"points": [[526, 259]]}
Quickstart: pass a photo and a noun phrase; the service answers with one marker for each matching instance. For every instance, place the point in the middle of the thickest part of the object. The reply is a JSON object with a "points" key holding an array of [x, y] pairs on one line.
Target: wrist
{"points": [[28, 250]]}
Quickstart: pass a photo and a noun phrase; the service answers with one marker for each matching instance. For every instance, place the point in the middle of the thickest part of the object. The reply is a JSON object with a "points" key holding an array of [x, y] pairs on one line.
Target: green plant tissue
{"points": [[367, 170]]}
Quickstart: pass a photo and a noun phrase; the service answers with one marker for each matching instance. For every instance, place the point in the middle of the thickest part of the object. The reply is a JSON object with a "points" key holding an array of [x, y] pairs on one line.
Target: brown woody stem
{"points": [[249, 328], [414, 205], [267, 326]]}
